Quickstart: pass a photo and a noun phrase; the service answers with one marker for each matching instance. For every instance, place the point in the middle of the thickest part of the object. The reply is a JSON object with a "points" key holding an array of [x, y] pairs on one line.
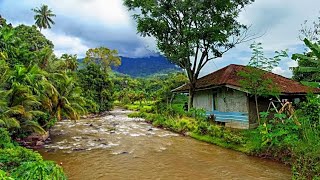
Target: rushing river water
{"points": [[118, 147]]}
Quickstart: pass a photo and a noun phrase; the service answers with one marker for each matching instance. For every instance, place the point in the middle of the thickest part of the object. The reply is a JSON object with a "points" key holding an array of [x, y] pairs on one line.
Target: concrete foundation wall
{"points": [[237, 125]]}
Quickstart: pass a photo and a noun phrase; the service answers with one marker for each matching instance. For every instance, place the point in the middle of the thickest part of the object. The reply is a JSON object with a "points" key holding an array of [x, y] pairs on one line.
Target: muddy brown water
{"points": [[118, 147]]}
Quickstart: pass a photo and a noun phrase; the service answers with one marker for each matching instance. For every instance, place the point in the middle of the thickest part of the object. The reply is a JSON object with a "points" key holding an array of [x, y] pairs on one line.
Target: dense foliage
{"points": [[38, 89], [98, 86], [20, 163], [156, 89]]}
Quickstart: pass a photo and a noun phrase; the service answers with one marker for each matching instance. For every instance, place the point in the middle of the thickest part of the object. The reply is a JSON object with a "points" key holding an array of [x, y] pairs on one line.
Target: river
{"points": [[118, 147]]}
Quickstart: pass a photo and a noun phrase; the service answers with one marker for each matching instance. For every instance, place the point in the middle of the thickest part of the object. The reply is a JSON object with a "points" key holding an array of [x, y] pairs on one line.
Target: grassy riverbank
{"points": [[279, 138], [214, 134]]}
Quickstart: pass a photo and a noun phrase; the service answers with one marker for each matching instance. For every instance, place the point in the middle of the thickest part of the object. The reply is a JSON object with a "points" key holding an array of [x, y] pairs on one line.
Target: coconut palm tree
{"points": [[6, 121], [43, 17], [67, 101], [20, 102], [20, 109], [71, 62]]}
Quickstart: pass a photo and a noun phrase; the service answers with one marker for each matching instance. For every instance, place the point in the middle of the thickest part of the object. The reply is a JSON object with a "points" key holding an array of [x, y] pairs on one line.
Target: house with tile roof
{"points": [[221, 95]]}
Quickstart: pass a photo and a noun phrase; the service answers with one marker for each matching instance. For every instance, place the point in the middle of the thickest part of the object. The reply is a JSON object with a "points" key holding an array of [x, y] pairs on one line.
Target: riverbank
{"points": [[217, 135]]}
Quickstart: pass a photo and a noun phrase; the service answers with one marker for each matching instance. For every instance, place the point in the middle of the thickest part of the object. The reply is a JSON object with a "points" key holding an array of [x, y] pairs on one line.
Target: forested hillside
{"points": [[144, 66]]}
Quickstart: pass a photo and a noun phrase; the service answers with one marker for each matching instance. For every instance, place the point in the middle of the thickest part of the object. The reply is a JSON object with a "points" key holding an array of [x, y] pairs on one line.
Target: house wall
{"points": [[230, 100], [203, 99], [231, 106]]}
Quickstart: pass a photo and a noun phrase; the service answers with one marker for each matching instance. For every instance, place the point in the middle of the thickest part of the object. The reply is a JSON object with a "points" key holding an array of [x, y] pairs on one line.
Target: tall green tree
{"points": [[259, 60], [254, 78], [43, 17], [308, 70], [104, 57], [191, 32], [32, 38], [97, 86], [257, 84]]}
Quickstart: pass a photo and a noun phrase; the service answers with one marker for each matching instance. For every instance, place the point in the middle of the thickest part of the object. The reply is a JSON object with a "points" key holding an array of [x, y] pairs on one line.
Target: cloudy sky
{"points": [[84, 24]]}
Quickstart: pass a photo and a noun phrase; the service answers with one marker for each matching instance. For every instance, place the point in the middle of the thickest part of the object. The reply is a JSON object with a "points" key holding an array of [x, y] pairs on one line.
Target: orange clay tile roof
{"points": [[229, 76]]}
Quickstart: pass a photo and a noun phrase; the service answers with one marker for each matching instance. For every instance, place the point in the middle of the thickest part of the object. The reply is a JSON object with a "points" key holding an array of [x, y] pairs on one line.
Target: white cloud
{"points": [[292, 63], [66, 44], [94, 22], [107, 12], [279, 70], [280, 20]]}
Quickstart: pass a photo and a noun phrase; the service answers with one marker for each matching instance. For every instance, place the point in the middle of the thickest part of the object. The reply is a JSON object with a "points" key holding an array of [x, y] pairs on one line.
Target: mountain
{"points": [[144, 66]]}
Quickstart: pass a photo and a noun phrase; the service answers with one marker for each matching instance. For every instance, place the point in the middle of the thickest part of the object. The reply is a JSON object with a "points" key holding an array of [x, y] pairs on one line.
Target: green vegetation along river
{"points": [[118, 147]]}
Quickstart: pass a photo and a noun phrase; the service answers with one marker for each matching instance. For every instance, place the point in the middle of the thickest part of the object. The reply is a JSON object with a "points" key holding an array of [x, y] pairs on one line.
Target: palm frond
{"points": [[33, 126], [9, 122]]}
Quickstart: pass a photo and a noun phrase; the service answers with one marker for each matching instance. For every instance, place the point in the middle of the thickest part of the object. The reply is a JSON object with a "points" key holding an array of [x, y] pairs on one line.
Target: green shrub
{"points": [[233, 138], [306, 151], [137, 115], [146, 109], [278, 132], [202, 127], [39, 170], [185, 125], [11, 158], [5, 140], [4, 176], [197, 114], [311, 109], [306, 161], [216, 131], [158, 120]]}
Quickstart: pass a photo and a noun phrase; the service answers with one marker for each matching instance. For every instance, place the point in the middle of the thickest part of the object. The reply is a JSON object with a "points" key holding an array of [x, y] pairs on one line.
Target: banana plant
{"points": [[309, 62]]}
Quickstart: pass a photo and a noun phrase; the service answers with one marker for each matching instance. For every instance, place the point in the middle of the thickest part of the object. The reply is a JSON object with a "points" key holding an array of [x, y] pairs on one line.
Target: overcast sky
{"points": [[84, 24]]}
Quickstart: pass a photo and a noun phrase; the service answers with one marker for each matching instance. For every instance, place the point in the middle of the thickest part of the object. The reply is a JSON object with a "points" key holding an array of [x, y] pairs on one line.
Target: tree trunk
{"points": [[172, 96], [191, 96], [59, 113], [257, 108]]}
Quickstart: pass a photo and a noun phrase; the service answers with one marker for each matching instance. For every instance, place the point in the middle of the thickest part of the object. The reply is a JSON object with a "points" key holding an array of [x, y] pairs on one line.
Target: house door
{"points": [[214, 101]]}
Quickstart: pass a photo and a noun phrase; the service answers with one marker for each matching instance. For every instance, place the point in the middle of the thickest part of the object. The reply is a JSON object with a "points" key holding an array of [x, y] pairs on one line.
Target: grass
{"points": [[220, 142], [239, 140], [144, 106]]}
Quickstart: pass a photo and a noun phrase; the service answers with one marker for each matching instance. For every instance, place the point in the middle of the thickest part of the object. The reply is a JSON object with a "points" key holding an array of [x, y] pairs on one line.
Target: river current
{"points": [[118, 147]]}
